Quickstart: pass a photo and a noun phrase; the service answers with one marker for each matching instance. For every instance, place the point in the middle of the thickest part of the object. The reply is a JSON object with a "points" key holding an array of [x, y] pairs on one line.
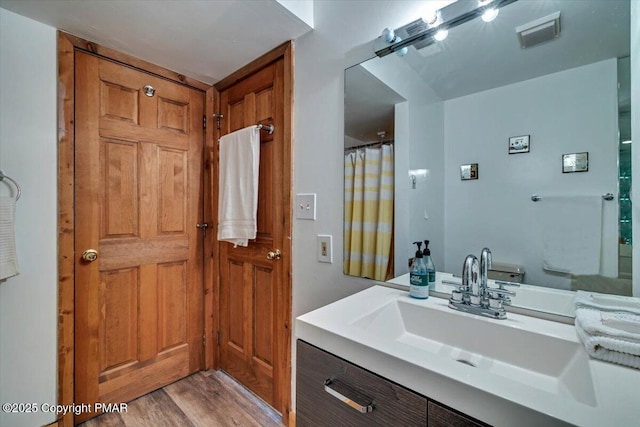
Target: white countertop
{"points": [[603, 395]]}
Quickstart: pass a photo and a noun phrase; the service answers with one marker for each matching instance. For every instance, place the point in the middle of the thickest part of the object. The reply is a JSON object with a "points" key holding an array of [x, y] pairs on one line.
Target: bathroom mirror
{"points": [[463, 101]]}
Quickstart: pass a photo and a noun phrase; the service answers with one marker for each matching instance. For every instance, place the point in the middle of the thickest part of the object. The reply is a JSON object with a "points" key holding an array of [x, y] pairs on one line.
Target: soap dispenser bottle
{"points": [[431, 269], [418, 278]]}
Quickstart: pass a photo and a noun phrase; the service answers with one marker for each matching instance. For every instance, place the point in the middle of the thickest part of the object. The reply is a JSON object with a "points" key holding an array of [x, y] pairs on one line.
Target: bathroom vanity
{"points": [[336, 400], [379, 357]]}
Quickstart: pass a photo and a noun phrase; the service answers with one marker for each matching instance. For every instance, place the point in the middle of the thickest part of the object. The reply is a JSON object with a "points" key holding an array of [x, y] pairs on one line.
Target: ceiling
{"points": [[203, 39], [370, 105], [479, 56]]}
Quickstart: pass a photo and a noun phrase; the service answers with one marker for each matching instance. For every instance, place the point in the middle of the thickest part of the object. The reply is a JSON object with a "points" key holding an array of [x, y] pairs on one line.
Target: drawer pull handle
{"points": [[331, 386]]}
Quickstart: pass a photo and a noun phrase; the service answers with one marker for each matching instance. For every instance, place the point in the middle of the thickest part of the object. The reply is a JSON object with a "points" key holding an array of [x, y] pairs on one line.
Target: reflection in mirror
{"points": [[460, 101]]}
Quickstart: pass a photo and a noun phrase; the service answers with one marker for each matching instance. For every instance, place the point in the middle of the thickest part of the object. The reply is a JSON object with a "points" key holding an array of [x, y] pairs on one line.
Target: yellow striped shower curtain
{"points": [[368, 211]]}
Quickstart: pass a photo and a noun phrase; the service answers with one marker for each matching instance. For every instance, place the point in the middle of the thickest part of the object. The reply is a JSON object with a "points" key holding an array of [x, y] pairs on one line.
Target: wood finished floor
{"points": [[210, 398]]}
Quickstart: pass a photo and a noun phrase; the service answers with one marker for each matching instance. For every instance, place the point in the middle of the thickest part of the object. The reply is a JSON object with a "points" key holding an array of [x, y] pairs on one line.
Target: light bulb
{"points": [[430, 18], [441, 35], [388, 35], [404, 50], [490, 14]]}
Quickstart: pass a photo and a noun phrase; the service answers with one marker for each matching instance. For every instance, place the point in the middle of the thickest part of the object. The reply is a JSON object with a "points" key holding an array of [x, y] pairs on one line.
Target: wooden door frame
{"points": [[284, 52], [67, 45]]}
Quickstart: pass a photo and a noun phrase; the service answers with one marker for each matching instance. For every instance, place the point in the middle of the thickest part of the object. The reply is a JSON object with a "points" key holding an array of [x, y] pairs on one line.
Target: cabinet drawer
{"points": [[318, 404], [441, 416]]}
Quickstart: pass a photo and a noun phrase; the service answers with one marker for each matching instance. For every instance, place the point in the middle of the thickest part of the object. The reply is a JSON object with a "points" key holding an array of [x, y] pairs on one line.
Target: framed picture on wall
{"points": [[519, 144], [469, 171], [575, 162]]}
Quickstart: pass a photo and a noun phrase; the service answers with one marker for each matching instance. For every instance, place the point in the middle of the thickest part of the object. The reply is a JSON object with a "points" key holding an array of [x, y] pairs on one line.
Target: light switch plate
{"points": [[306, 206], [325, 249]]}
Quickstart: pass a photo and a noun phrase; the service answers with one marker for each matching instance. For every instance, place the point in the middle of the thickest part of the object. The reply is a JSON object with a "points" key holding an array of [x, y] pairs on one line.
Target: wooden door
{"points": [[254, 290], [139, 318]]}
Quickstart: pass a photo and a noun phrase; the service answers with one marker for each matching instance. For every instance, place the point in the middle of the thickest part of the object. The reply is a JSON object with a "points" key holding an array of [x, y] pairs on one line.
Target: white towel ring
{"points": [[19, 190]]}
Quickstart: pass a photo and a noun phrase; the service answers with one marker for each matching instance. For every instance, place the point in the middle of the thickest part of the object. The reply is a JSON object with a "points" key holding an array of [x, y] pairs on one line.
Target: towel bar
{"points": [[269, 128], [607, 196], [19, 190]]}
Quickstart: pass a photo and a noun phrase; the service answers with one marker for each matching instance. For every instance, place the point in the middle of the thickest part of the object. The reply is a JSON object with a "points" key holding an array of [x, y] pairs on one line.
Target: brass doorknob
{"points": [[274, 254], [89, 255]]}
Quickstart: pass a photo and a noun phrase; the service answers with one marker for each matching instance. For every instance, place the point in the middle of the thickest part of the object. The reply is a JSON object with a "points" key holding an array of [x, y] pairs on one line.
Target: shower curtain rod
{"points": [[370, 144]]}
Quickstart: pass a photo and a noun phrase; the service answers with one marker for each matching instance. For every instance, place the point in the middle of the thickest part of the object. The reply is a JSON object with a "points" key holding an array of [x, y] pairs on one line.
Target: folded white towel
{"points": [[238, 186], [614, 325], [604, 341], [8, 258], [596, 347], [622, 321], [563, 221], [607, 302]]}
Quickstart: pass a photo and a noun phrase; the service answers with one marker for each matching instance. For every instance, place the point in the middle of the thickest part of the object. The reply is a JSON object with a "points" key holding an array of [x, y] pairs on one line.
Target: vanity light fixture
{"points": [[490, 14], [435, 21], [389, 36], [431, 18], [403, 51], [434, 26], [441, 35]]}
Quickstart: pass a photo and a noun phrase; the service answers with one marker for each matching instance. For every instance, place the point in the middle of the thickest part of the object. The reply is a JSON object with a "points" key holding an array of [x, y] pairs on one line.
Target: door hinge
{"points": [[218, 116], [218, 337], [204, 340], [204, 122]]}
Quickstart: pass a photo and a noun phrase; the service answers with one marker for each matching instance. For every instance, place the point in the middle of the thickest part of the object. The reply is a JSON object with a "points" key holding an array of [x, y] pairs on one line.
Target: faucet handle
{"points": [[502, 283], [499, 296], [500, 292]]}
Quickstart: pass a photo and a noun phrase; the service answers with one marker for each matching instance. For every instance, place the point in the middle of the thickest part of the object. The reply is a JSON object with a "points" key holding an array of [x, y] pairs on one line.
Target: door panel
{"points": [[139, 318], [120, 205], [252, 288]]}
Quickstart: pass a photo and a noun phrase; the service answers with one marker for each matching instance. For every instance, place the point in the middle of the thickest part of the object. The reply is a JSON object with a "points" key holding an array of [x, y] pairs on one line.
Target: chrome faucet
{"points": [[474, 294], [471, 279], [485, 265]]}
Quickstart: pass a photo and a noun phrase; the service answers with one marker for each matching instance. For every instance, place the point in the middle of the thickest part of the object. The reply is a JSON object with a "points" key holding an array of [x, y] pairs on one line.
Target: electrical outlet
{"points": [[306, 206], [325, 252]]}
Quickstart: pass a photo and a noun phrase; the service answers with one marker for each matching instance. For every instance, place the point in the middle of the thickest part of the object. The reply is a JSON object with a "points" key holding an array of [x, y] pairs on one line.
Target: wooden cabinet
{"points": [[319, 404], [441, 416], [331, 391]]}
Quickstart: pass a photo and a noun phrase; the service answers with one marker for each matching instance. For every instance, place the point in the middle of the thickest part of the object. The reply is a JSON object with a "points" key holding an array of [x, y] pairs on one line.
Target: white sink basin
{"points": [[521, 371], [537, 360]]}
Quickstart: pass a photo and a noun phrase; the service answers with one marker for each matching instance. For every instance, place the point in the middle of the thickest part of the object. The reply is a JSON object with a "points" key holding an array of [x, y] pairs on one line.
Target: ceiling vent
{"points": [[539, 31]]}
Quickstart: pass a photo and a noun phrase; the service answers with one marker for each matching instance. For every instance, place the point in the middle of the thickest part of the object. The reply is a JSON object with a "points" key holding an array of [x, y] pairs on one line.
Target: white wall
{"points": [[28, 154], [419, 146], [567, 112], [342, 36]]}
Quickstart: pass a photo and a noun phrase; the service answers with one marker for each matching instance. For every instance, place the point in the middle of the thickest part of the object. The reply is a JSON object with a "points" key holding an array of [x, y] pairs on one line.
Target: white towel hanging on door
{"points": [[8, 258], [238, 186]]}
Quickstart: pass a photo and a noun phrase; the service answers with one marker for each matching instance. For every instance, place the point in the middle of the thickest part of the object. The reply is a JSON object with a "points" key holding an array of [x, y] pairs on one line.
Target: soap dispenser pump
{"points": [[418, 277], [431, 269]]}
